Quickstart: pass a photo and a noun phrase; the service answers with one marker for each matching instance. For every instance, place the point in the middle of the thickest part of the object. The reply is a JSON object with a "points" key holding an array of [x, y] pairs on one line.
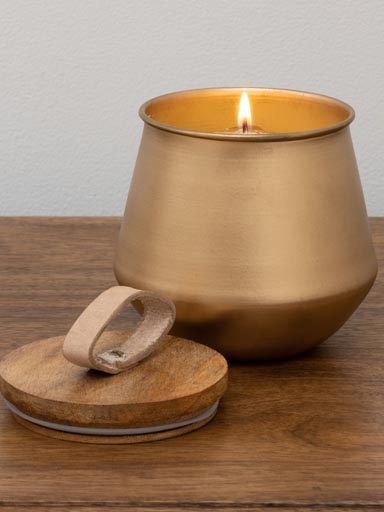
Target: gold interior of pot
{"points": [[282, 114]]}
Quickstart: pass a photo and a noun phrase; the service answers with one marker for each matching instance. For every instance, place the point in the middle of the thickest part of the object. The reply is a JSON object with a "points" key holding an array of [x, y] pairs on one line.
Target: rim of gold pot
{"points": [[284, 114]]}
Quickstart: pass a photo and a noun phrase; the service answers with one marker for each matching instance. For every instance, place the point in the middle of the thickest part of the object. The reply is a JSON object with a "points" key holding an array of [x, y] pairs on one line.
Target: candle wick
{"points": [[245, 126]]}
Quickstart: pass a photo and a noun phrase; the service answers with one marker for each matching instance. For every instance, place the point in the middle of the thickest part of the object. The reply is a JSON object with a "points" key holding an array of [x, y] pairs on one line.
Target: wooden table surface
{"points": [[303, 434]]}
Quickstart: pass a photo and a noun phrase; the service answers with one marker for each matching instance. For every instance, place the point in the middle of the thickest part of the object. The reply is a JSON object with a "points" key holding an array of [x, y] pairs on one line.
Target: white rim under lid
{"points": [[112, 431]]}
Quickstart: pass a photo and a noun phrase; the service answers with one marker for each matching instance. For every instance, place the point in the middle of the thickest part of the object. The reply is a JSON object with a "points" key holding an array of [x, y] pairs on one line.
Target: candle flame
{"points": [[244, 116]]}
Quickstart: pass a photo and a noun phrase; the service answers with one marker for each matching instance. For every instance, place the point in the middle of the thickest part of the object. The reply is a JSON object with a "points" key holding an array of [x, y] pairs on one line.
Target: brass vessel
{"points": [[261, 239]]}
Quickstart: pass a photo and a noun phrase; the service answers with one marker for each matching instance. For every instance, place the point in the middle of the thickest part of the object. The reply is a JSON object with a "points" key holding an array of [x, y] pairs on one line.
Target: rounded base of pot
{"points": [[265, 332]]}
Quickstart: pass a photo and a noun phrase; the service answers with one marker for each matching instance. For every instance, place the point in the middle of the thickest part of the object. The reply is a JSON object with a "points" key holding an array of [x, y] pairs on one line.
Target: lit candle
{"points": [[244, 118], [244, 115]]}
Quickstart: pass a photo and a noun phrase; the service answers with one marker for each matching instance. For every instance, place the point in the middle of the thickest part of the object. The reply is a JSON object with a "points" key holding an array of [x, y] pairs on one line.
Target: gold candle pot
{"points": [[260, 239]]}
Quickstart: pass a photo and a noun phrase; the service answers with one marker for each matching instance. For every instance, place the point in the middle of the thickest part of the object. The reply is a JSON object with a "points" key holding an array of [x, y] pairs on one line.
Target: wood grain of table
{"points": [[298, 435]]}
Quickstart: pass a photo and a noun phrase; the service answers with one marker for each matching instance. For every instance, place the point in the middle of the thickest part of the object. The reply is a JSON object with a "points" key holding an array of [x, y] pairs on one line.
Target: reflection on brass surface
{"points": [[261, 240]]}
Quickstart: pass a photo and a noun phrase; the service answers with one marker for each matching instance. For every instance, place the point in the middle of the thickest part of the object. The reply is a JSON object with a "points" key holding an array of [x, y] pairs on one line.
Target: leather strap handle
{"points": [[80, 344]]}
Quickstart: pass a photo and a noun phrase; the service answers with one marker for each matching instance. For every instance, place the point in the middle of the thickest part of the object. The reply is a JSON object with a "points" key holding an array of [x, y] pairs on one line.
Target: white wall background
{"points": [[74, 72]]}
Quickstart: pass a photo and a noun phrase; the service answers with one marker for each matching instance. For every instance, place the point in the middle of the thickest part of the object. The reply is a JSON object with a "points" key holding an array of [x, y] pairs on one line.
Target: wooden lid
{"points": [[181, 380]]}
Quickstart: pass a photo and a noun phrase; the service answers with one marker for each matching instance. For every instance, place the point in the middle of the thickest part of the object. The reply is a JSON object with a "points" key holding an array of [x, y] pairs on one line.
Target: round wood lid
{"points": [[173, 390]]}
